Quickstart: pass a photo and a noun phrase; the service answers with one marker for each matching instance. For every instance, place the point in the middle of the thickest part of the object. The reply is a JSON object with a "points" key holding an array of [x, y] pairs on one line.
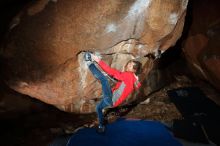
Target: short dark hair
{"points": [[137, 66]]}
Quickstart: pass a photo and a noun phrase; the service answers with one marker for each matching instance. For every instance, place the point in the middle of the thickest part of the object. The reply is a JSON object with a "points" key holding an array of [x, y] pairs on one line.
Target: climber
{"points": [[127, 81]]}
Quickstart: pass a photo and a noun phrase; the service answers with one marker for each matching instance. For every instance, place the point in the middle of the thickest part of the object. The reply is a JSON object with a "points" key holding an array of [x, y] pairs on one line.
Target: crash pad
{"points": [[126, 132]]}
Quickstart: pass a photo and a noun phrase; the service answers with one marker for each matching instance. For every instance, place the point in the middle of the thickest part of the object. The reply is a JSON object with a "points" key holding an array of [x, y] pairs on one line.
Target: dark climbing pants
{"points": [[106, 92]]}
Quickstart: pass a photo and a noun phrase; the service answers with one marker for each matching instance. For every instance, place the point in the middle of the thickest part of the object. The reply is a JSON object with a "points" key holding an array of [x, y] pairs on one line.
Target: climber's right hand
{"points": [[95, 58]]}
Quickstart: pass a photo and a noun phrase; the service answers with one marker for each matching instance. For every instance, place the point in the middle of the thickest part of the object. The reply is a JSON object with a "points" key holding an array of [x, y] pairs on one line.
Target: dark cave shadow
{"points": [[201, 116], [26, 62], [8, 9]]}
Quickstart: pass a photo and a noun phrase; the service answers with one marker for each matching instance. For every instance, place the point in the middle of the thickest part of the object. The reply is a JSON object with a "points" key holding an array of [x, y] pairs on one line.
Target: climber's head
{"points": [[133, 66]]}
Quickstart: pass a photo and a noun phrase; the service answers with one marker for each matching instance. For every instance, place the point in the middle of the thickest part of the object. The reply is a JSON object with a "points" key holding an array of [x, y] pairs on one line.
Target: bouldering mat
{"points": [[126, 132]]}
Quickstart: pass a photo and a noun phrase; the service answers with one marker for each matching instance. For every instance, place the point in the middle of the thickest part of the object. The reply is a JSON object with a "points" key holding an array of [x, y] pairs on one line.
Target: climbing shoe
{"points": [[100, 129], [87, 56]]}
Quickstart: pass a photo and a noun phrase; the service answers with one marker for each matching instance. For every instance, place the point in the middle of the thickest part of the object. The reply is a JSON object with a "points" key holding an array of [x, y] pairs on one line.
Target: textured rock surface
{"points": [[43, 53], [202, 46]]}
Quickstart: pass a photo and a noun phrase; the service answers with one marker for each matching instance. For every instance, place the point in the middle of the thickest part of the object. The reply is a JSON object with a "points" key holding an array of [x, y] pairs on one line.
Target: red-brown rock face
{"points": [[43, 53], [203, 44]]}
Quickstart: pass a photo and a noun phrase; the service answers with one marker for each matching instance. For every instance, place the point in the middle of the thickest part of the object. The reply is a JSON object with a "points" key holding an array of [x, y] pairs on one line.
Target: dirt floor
{"points": [[44, 124]]}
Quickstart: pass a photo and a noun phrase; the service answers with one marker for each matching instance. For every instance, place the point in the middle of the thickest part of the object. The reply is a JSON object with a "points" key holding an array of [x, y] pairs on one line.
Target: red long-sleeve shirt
{"points": [[127, 82]]}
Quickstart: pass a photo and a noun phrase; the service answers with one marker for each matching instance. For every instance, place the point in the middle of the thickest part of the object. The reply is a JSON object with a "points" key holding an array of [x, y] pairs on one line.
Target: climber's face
{"points": [[129, 67]]}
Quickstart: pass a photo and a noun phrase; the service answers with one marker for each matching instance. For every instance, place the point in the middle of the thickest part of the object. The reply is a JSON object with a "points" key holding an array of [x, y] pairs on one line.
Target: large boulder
{"points": [[43, 55]]}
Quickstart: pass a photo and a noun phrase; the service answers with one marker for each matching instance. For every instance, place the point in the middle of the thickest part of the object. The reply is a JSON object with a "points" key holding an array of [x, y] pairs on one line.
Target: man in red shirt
{"points": [[127, 81]]}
